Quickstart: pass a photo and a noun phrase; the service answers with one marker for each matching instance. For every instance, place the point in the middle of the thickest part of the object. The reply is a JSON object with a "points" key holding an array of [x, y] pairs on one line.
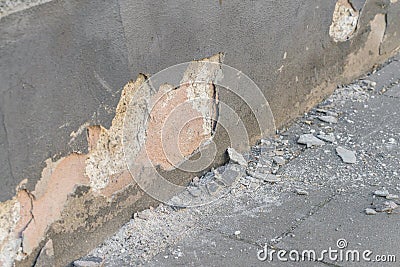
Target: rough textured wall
{"points": [[64, 72]]}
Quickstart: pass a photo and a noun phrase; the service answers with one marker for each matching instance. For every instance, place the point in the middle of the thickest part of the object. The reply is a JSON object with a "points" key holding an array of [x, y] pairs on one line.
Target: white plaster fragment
{"points": [[344, 21]]}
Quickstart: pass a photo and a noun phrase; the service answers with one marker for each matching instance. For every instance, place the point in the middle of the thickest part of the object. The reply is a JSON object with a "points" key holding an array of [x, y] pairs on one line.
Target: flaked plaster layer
{"points": [[26, 219], [344, 21]]}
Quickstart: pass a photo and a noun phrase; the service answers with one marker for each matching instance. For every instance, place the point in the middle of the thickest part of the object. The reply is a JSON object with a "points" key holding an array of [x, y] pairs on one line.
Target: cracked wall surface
{"points": [[64, 92]]}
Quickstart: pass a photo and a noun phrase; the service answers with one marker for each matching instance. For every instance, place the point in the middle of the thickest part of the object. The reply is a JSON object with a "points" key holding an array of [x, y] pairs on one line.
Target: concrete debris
{"points": [[370, 211], [196, 180], [346, 155], [194, 191], [381, 193], [310, 140], [321, 110], [176, 201], [265, 161], [392, 196], [327, 112], [230, 175], [263, 169], [279, 160], [254, 185], [301, 192], [245, 182], [331, 113], [265, 142], [392, 141], [328, 119], [236, 157], [177, 253], [139, 240], [387, 206], [89, 262], [270, 178], [144, 215], [391, 204], [344, 21], [368, 83], [213, 188], [330, 138]]}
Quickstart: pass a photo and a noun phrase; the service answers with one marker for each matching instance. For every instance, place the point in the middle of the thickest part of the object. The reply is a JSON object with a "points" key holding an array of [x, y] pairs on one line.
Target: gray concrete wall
{"points": [[63, 65]]}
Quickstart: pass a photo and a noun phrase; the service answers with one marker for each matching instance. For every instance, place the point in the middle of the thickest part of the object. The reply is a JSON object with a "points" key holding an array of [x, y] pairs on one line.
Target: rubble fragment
{"points": [[230, 175], [279, 160], [213, 188], [387, 206], [89, 262], [236, 157], [347, 156], [330, 138], [310, 140], [194, 191], [381, 193], [392, 196], [328, 119], [370, 211], [270, 178], [301, 192]]}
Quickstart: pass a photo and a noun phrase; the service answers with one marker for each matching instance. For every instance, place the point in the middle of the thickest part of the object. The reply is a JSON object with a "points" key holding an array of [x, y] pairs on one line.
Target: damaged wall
{"points": [[75, 191], [63, 83]]}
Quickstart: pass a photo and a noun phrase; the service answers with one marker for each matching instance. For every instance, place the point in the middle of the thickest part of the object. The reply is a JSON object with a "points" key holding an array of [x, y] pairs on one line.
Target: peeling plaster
{"points": [[26, 219], [106, 157], [203, 74], [9, 242], [78, 132], [15, 215], [183, 118], [50, 197], [344, 21]]}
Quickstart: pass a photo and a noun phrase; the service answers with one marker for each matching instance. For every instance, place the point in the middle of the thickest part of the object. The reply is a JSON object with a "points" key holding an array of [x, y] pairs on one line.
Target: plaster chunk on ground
{"points": [[346, 155], [237, 157], [344, 22], [310, 140]]}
